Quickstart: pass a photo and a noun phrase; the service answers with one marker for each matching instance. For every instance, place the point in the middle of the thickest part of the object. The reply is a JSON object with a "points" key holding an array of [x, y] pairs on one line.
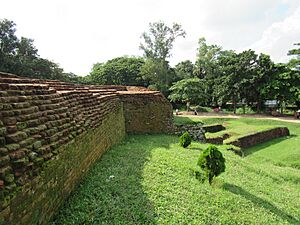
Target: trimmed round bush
{"points": [[212, 162], [185, 139]]}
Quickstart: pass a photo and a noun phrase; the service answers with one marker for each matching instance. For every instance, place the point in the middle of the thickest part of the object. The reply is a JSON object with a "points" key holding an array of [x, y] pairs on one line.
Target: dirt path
{"points": [[256, 116]]}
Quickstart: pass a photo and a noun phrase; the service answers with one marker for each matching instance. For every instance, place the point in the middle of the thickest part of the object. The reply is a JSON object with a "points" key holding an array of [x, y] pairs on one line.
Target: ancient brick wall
{"points": [[260, 137], [147, 112], [51, 131]]}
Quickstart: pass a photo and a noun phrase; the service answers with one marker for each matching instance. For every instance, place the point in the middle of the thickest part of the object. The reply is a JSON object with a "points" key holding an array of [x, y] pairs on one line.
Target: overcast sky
{"points": [[76, 34]]}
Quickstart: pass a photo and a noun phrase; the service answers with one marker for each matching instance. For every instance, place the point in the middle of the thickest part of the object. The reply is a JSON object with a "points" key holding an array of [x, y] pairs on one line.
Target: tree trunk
{"points": [[281, 107], [258, 106], [234, 105], [187, 106]]}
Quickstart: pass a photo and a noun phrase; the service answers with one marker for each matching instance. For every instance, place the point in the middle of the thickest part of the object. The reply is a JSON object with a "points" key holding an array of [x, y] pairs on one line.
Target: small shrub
{"points": [[212, 162], [185, 139], [248, 110]]}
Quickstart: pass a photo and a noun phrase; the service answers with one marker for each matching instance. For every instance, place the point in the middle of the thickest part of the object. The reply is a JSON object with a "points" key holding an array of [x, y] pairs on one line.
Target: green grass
{"points": [[153, 183], [283, 151]]}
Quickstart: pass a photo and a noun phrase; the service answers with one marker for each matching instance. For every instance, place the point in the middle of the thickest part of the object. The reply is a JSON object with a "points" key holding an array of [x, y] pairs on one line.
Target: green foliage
{"points": [[185, 140], [294, 63], [153, 184], [157, 45], [158, 74], [119, 71], [158, 42], [184, 70], [20, 56], [188, 90], [212, 162]]}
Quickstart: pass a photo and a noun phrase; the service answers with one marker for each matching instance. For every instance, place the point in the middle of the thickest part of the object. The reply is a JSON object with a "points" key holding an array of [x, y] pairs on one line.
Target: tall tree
{"points": [[206, 65], [159, 75], [158, 42], [157, 45], [8, 45]]}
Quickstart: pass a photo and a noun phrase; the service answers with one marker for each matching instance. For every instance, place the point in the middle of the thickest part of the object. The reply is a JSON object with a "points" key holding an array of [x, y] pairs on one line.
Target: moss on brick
{"points": [[61, 174]]}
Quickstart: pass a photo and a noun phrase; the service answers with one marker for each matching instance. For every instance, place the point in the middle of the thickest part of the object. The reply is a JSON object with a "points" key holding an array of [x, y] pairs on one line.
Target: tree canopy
{"points": [[119, 71], [20, 56], [157, 45]]}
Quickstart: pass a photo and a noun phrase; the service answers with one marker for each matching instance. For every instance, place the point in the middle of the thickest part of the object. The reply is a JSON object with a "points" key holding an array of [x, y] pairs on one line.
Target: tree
{"points": [[158, 42], [212, 162], [284, 85], [157, 45], [119, 71], [188, 90], [206, 65], [184, 70], [21, 56], [158, 75], [8, 45], [295, 62]]}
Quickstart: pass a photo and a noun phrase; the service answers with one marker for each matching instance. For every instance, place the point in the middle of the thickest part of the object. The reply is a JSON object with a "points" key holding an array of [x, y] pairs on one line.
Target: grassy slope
{"points": [[282, 151], [153, 184]]}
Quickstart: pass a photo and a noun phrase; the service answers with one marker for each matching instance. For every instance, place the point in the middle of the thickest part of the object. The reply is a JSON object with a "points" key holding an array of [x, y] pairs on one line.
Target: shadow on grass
{"points": [[258, 147], [260, 202], [194, 148], [112, 192]]}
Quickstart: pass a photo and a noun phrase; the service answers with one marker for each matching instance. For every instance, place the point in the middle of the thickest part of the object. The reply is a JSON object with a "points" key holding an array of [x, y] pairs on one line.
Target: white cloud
{"points": [[76, 34], [277, 39]]}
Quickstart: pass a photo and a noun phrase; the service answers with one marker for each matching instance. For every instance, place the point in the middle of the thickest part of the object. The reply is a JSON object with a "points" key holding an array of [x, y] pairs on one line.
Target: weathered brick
{"points": [[36, 145], [12, 129], [20, 162], [16, 137], [9, 121], [7, 106], [7, 113], [4, 161], [2, 141], [20, 105], [33, 123], [26, 142], [18, 154], [3, 131], [4, 172], [3, 151], [12, 147], [21, 125]]}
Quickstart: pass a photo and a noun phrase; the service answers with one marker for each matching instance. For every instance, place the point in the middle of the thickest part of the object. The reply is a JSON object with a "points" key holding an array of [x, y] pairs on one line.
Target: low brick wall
{"points": [[52, 131], [40, 199], [146, 112], [260, 137], [213, 128]]}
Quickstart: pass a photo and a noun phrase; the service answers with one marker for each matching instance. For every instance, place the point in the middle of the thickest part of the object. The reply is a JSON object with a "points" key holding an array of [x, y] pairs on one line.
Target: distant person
{"points": [[195, 112], [176, 111]]}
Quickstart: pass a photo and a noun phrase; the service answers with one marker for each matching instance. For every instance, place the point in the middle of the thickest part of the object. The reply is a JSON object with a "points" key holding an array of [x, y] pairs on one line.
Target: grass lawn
{"points": [[148, 179]]}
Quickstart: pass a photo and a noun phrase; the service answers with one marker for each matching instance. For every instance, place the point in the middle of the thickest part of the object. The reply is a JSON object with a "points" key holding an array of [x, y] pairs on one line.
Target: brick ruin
{"points": [[52, 131]]}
